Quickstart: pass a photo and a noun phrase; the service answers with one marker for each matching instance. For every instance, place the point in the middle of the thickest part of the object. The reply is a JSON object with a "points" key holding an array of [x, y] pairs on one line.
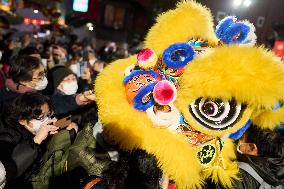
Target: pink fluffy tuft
{"points": [[164, 92]]}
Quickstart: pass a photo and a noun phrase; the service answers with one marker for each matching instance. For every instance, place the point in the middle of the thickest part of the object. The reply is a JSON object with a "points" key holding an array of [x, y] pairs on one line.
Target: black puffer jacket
{"points": [[19, 155]]}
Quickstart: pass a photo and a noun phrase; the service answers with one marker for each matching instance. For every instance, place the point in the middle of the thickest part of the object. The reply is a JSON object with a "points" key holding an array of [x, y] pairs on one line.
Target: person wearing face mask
{"points": [[37, 151], [72, 65], [59, 55], [260, 154], [26, 74], [65, 99], [96, 65], [26, 126], [82, 107], [93, 66], [25, 136]]}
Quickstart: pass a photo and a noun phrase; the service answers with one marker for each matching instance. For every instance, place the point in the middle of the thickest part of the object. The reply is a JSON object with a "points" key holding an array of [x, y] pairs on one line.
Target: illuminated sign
{"points": [[35, 21], [80, 5]]}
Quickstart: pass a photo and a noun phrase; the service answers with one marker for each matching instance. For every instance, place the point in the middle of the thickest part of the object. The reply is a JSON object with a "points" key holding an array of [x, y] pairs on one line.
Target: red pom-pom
{"points": [[164, 92]]}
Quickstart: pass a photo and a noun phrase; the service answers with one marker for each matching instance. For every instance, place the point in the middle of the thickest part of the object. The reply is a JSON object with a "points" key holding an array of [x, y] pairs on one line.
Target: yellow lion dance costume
{"points": [[218, 89]]}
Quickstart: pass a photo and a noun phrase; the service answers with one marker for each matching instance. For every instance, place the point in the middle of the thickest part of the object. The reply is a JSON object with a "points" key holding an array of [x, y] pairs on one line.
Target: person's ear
{"points": [[249, 149], [23, 122], [254, 150], [23, 83], [60, 86]]}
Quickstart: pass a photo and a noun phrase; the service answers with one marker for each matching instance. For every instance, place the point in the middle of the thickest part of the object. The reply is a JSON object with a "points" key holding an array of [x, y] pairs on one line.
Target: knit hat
{"points": [[59, 74], [29, 50]]}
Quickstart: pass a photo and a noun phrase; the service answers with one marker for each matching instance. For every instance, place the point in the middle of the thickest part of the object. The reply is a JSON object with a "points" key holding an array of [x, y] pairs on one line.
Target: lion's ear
{"points": [[269, 119], [188, 20]]}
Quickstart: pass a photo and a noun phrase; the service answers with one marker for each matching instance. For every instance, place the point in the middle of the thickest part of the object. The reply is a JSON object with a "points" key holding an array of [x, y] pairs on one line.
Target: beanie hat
{"points": [[59, 74], [29, 50]]}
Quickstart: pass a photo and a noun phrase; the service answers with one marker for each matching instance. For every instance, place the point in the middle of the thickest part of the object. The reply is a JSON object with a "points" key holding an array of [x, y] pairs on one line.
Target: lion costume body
{"points": [[195, 88]]}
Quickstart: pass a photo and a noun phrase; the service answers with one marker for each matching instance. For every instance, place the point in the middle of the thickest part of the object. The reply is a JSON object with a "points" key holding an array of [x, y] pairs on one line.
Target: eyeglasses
{"points": [[41, 76], [49, 114]]}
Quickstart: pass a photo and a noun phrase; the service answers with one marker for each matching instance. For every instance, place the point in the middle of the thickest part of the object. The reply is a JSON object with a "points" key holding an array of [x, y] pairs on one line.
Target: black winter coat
{"points": [[63, 104], [271, 170], [19, 155], [6, 97]]}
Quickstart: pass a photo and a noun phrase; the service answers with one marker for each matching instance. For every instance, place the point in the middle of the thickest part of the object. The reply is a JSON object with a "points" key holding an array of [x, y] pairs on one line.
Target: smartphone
{"points": [[83, 67], [63, 122]]}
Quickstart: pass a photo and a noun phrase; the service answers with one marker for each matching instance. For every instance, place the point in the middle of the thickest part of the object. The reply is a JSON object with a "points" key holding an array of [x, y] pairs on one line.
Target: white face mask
{"points": [[37, 124], [44, 62], [41, 84], [75, 69], [92, 62], [70, 88]]}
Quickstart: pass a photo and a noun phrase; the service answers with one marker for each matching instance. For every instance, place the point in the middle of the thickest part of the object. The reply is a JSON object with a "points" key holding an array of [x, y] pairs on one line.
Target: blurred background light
{"points": [[247, 3], [237, 3]]}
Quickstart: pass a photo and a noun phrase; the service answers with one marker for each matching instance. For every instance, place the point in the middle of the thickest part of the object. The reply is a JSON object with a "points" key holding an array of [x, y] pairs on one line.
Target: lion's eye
{"points": [[178, 55], [216, 114]]}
